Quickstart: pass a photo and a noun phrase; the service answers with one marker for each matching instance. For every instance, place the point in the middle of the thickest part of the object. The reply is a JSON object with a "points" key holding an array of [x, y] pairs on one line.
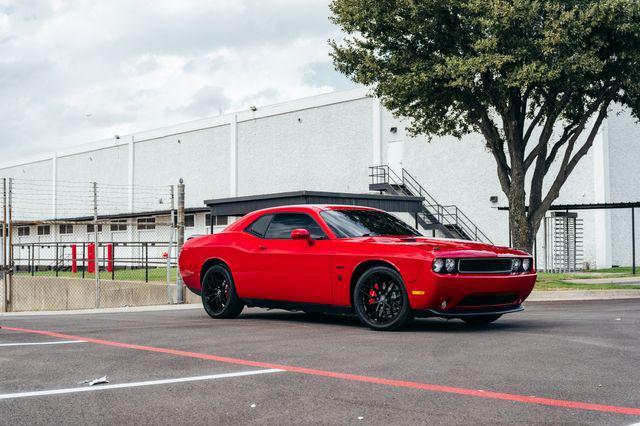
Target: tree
{"points": [[536, 78]]}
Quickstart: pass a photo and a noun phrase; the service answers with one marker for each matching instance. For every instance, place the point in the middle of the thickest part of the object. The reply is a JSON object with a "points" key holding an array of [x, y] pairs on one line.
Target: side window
{"points": [[259, 226], [282, 225]]}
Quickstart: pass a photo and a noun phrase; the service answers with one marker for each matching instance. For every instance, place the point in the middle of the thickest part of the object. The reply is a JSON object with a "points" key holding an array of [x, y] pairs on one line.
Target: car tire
{"points": [[482, 319], [373, 290], [219, 297]]}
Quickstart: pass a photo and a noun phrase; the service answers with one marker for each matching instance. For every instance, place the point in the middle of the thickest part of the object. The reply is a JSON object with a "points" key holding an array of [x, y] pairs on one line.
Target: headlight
{"points": [[437, 265], [526, 263], [516, 265], [450, 265]]}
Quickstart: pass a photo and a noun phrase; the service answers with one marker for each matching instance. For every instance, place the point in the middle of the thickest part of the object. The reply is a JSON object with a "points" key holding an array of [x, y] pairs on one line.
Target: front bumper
{"points": [[466, 314], [458, 295]]}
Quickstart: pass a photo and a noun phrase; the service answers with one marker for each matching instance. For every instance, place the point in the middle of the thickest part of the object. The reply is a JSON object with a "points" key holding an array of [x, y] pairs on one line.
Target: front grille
{"points": [[494, 266], [489, 299]]}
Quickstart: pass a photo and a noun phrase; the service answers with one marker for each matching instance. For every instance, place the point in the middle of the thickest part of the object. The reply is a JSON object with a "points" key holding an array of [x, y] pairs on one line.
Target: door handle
{"points": [[262, 247]]}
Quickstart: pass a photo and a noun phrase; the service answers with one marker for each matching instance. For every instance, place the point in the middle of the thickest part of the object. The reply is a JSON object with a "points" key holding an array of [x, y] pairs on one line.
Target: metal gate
{"points": [[563, 242]]}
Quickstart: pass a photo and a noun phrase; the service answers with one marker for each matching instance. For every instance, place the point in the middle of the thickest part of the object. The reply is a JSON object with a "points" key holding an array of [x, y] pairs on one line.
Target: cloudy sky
{"points": [[76, 71]]}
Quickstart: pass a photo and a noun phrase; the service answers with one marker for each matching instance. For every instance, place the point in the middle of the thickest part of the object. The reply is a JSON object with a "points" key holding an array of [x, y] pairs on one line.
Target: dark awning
{"points": [[590, 206], [239, 206]]}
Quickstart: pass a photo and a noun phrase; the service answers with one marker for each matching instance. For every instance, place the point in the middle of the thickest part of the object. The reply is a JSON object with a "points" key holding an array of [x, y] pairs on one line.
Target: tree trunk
{"points": [[522, 234], [522, 231]]}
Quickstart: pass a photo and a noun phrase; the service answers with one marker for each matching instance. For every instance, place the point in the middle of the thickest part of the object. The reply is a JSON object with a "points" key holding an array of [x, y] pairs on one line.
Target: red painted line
{"points": [[352, 377]]}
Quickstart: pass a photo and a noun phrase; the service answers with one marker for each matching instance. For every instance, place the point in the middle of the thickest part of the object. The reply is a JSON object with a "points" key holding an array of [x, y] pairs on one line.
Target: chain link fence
{"points": [[77, 245]]}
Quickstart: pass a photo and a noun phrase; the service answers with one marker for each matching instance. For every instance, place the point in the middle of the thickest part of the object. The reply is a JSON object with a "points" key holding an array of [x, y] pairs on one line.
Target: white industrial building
{"points": [[327, 143]]}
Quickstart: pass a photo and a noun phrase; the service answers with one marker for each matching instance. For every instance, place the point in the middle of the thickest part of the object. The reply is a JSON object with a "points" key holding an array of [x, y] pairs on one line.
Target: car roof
{"points": [[312, 207]]}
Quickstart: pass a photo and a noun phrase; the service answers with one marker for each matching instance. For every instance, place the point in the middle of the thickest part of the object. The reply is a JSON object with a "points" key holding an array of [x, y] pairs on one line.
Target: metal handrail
{"points": [[448, 215]]}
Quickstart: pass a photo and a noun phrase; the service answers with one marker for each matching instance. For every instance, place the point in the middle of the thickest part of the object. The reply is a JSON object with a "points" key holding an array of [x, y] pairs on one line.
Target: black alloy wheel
{"points": [[380, 299], [218, 293]]}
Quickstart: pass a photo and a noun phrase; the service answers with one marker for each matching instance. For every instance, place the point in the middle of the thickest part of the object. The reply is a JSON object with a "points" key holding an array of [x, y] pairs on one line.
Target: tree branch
{"points": [[547, 130], [532, 126], [489, 130], [569, 163], [566, 134]]}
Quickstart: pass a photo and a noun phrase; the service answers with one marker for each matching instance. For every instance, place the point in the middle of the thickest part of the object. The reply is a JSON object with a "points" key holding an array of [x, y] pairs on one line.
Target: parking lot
{"points": [[558, 362]]}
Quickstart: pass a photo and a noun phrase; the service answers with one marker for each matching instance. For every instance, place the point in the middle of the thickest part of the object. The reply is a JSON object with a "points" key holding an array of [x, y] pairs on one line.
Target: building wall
{"points": [[199, 157], [326, 148], [40, 175], [624, 182], [108, 165]]}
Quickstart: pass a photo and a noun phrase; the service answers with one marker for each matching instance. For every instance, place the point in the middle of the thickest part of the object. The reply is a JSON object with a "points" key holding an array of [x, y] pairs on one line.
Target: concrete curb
{"points": [[609, 280], [105, 310], [567, 295]]}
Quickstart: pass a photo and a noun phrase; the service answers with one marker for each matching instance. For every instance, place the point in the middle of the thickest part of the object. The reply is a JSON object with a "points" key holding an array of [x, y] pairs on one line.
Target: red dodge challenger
{"points": [[350, 259]]}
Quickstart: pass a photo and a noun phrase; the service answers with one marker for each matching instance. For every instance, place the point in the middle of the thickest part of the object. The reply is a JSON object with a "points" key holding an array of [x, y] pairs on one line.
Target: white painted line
{"points": [[137, 384], [57, 342]]}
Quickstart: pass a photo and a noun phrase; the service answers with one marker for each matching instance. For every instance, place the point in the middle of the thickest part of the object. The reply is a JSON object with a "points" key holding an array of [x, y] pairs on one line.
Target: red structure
{"points": [[74, 258], [109, 257], [91, 258]]}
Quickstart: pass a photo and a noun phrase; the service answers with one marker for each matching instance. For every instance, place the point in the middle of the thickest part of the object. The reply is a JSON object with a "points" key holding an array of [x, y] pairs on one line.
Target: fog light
{"points": [[450, 264], [443, 305], [438, 264], [516, 265]]}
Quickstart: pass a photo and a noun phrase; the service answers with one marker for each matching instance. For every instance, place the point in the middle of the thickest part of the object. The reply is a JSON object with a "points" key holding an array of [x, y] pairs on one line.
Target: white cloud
{"points": [[134, 65]]}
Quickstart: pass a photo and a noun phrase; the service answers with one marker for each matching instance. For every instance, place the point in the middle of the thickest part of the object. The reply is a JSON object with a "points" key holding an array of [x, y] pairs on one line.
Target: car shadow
{"points": [[417, 325]]}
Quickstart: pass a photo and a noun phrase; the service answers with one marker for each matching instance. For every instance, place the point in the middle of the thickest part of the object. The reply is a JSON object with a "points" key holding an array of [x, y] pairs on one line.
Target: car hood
{"points": [[451, 247]]}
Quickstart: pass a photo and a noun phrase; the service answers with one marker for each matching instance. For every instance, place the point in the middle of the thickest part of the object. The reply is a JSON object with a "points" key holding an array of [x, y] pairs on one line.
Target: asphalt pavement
{"points": [[557, 362]]}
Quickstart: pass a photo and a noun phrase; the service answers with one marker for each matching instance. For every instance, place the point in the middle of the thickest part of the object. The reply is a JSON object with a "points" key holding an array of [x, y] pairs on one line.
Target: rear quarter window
{"points": [[259, 226]]}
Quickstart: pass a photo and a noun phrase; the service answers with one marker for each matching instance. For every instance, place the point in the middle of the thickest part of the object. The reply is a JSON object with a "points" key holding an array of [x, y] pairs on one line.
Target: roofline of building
{"points": [[325, 99], [239, 206], [107, 217], [589, 206]]}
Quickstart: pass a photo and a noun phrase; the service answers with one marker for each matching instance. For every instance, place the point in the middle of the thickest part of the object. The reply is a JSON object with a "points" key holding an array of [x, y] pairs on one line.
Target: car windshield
{"points": [[351, 223]]}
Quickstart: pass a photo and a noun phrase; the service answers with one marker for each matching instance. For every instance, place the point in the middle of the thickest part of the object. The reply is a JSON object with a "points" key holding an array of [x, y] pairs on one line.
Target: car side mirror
{"points": [[301, 234]]}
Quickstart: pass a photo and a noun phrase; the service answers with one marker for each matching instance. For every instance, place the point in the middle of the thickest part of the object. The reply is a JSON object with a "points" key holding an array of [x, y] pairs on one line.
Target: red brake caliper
{"points": [[373, 293]]}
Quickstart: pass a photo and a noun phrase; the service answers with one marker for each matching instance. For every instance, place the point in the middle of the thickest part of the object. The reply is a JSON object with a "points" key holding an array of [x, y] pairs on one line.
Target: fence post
{"points": [[179, 285], [95, 235], [170, 248], [146, 262], [633, 240], [9, 281], [5, 274]]}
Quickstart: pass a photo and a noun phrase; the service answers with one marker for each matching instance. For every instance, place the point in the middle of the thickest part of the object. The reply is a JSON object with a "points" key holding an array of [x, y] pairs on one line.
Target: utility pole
{"points": [[170, 248], [95, 236], [180, 286], [9, 282], [4, 246]]}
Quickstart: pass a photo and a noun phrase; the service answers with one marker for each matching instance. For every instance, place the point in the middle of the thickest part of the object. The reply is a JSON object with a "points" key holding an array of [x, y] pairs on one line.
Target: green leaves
{"points": [[438, 50]]}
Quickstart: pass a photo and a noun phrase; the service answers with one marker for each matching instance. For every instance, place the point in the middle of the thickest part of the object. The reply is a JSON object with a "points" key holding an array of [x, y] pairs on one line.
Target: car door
{"points": [[294, 270]]}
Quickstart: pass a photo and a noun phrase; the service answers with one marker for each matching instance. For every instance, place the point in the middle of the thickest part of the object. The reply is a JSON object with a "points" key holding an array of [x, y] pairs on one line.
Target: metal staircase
{"points": [[449, 220]]}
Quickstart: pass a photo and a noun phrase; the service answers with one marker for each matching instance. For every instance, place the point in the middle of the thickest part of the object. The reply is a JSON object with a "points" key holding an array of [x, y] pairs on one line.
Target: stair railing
{"points": [[448, 215]]}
